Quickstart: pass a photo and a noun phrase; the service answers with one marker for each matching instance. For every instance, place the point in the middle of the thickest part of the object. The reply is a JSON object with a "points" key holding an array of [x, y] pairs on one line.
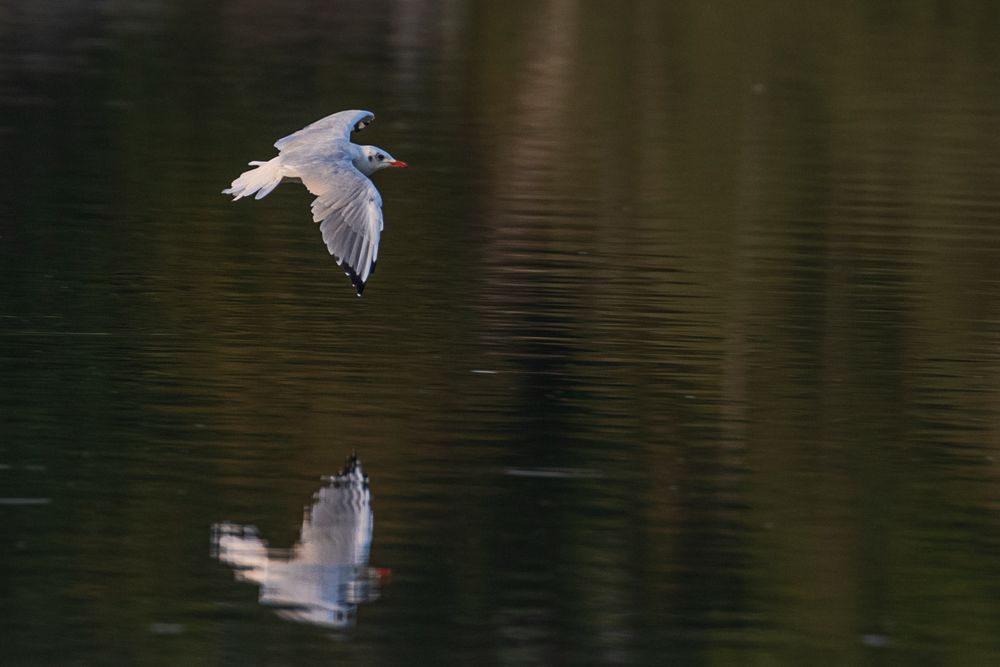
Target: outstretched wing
{"points": [[348, 209], [336, 126]]}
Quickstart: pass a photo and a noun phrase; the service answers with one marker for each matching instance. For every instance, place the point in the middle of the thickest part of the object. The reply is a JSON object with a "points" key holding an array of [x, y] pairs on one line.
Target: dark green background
{"points": [[734, 268]]}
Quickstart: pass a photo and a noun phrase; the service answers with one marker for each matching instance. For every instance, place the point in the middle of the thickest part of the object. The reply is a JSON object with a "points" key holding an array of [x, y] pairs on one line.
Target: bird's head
{"points": [[374, 158]]}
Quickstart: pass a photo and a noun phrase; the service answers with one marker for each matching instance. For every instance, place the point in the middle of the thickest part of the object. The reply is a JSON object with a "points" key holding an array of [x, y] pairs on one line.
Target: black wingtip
{"points": [[351, 468], [350, 465], [359, 285]]}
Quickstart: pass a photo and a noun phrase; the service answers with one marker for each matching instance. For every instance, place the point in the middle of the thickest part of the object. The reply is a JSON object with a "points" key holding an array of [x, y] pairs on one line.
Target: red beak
{"points": [[398, 163]]}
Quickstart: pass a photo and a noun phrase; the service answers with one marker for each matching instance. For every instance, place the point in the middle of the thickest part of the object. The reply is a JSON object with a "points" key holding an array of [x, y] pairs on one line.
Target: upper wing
{"points": [[339, 125], [349, 210]]}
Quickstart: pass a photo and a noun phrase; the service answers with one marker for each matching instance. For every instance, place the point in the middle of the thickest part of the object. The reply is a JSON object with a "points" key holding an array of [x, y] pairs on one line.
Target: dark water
{"points": [[684, 345]]}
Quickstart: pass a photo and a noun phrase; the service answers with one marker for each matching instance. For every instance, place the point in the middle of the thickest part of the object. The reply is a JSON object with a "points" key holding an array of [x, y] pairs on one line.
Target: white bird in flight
{"points": [[347, 205]]}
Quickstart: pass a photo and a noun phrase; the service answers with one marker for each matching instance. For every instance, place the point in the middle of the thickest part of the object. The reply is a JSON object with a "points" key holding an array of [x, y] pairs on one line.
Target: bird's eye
{"points": [[380, 156]]}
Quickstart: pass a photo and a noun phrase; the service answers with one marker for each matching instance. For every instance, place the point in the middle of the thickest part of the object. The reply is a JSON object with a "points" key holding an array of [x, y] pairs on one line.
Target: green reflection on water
{"points": [[731, 266]]}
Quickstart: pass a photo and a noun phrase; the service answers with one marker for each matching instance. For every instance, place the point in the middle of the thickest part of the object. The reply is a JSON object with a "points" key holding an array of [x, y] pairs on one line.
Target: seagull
{"points": [[347, 207]]}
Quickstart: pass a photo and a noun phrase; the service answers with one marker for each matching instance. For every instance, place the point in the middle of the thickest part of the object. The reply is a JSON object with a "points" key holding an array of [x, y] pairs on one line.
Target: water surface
{"points": [[683, 347]]}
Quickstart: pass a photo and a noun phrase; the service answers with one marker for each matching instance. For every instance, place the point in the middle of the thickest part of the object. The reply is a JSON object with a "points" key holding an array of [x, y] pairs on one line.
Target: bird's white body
{"points": [[347, 205]]}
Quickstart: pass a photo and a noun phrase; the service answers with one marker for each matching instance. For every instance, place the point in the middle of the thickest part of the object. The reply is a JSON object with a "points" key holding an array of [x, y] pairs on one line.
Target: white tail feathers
{"points": [[264, 177]]}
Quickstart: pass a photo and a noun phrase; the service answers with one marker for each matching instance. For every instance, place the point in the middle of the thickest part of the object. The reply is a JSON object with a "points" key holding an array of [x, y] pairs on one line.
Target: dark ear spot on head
{"points": [[369, 158]]}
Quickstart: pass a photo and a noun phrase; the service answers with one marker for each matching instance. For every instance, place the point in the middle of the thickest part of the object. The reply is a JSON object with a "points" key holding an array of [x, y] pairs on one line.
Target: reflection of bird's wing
{"points": [[349, 210], [339, 528], [336, 126]]}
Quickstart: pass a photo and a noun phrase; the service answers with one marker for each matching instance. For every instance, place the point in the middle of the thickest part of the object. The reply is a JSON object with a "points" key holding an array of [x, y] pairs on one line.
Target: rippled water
{"points": [[683, 348]]}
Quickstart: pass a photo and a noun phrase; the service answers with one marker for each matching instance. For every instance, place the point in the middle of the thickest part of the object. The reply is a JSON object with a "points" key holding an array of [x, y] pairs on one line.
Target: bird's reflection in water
{"points": [[325, 576]]}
